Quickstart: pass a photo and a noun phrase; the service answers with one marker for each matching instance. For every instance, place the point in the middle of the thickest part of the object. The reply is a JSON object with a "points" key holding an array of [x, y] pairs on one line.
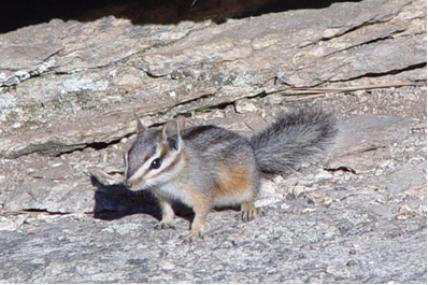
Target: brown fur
{"points": [[232, 180], [164, 150]]}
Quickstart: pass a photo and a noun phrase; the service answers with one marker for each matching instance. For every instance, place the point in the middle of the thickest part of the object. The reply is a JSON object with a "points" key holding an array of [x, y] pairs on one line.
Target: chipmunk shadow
{"points": [[116, 201]]}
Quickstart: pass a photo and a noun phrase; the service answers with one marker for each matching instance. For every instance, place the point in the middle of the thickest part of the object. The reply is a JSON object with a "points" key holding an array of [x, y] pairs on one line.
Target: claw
{"points": [[192, 236], [164, 226], [244, 216], [249, 212]]}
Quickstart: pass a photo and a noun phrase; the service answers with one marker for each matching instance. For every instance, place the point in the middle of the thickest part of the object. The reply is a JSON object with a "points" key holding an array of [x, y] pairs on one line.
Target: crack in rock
{"points": [[22, 75]]}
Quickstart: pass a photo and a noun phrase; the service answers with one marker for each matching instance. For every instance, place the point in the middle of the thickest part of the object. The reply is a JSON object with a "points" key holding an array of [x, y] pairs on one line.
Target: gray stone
{"points": [[68, 91]]}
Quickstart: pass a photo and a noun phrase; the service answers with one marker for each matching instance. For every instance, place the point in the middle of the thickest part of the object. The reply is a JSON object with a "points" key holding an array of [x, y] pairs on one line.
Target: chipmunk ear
{"points": [[171, 132], [173, 127], [140, 127], [180, 122]]}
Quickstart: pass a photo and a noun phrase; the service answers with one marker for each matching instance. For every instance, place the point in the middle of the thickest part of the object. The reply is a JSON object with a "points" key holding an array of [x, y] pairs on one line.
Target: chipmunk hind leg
{"points": [[238, 185]]}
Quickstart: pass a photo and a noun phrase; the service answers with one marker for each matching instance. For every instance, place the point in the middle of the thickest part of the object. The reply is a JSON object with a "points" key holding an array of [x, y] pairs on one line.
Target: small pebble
{"points": [[327, 201]]}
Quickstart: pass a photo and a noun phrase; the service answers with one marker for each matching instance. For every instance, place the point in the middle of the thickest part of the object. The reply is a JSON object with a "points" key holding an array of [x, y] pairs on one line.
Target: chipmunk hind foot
{"points": [[248, 211]]}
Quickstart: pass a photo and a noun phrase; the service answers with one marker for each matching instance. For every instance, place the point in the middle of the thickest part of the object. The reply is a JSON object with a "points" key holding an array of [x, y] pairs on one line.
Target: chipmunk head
{"points": [[156, 156]]}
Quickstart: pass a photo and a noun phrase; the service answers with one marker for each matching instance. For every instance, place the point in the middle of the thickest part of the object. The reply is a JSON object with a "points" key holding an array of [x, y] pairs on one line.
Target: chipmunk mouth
{"points": [[137, 186]]}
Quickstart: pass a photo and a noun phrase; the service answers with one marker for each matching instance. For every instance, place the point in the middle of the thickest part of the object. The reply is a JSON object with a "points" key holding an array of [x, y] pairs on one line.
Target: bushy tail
{"points": [[293, 137]]}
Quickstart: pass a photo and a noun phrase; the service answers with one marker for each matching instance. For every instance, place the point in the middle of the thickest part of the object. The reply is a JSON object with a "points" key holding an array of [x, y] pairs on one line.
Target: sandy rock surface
{"points": [[68, 91]]}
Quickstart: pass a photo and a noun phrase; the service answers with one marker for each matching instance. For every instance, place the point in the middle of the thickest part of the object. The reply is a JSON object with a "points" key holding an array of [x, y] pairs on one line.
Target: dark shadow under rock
{"points": [[20, 13]]}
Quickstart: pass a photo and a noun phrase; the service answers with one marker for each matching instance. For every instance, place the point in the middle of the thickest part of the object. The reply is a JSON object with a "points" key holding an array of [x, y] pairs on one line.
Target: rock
{"points": [[248, 57], [405, 213], [243, 106], [69, 88], [11, 224], [327, 201], [322, 176], [407, 177]]}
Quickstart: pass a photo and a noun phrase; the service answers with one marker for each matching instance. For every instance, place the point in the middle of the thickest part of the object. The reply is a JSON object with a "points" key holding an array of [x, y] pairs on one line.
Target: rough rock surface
{"points": [[68, 91]]}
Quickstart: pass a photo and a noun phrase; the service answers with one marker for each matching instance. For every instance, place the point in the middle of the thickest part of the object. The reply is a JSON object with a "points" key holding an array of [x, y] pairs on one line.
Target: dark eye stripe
{"points": [[169, 167], [156, 163]]}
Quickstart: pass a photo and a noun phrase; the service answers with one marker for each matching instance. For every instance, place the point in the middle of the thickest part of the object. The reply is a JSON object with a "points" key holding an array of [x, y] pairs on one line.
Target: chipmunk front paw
{"points": [[164, 226]]}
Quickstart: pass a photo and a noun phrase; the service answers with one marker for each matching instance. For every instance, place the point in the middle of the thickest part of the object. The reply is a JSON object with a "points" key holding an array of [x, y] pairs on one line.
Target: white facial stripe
{"points": [[154, 177], [143, 168], [166, 176], [165, 163]]}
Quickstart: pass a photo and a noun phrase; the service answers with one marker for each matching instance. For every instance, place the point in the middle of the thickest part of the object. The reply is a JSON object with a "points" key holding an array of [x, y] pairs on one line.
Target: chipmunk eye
{"points": [[155, 163]]}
